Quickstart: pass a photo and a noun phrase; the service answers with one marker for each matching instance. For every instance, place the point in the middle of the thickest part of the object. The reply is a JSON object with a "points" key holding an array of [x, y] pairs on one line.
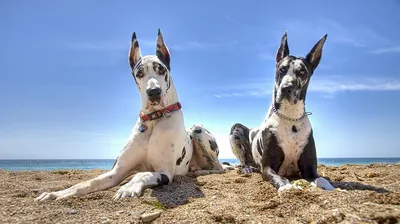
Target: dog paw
{"points": [[46, 196], [288, 187], [129, 190], [227, 167], [324, 184], [247, 169]]}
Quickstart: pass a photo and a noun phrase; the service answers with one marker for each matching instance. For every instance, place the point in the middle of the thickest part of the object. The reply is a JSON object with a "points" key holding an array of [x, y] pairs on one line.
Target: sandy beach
{"points": [[365, 194]]}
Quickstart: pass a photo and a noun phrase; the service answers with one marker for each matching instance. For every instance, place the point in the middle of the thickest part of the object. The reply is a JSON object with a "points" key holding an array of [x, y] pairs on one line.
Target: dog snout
{"points": [[154, 93], [287, 89]]}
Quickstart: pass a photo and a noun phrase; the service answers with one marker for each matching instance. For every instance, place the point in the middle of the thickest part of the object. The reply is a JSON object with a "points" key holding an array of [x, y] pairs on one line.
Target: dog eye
{"points": [[283, 70], [139, 74], [161, 71]]}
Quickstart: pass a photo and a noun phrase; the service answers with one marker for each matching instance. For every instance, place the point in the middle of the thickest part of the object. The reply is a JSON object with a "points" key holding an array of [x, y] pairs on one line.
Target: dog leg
{"points": [[308, 166], [130, 156], [279, 182], [102, 182], [141, 181], [241, 148]]}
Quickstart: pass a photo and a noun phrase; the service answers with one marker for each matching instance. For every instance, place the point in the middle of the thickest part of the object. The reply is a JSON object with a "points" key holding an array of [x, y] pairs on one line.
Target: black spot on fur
{"points": [[213, 145], [308, 160], [179, 160], [294, 129], [274, 156], [187, 163], [163, 181], [259, 149]]}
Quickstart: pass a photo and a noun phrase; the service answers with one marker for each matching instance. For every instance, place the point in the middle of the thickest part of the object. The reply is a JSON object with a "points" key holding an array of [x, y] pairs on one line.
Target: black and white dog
{"points": [[283, 146], [159, 146]]}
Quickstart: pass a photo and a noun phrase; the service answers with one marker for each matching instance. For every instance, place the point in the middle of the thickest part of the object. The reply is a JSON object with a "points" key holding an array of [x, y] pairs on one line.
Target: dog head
{"points": [[151, 73], [201, 135], [293, 73]]}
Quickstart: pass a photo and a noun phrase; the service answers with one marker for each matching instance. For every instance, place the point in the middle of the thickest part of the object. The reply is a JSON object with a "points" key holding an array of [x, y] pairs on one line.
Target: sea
{"points": [[106, 164]]}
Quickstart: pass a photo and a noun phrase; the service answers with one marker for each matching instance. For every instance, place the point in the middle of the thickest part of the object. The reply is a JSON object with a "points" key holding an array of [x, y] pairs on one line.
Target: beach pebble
{"points": [[148, 217], [106, 221], [137, 213], [120, 212], [73, 212], [337, 214], [214, 197]]}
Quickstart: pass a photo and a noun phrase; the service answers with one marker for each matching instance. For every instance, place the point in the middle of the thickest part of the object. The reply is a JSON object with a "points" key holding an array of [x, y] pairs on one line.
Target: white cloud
{"points": [[229, 18], [394, 49], [328, 84]]}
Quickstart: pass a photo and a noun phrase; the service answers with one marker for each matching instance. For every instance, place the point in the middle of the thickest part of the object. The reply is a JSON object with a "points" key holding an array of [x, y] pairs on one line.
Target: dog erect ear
{"points": [[134, 52], [283, 50], [162, 51], [316, 52]]}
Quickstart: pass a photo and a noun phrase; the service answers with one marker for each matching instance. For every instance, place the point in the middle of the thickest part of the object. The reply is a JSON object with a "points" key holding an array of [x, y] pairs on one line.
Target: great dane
{"points": [[283, 146], [159, 146]]}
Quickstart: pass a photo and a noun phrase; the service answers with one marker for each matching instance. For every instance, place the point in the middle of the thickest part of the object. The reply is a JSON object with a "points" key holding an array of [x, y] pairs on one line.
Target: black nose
{"points": [[197, 131], [154, 92], [288, 89]]}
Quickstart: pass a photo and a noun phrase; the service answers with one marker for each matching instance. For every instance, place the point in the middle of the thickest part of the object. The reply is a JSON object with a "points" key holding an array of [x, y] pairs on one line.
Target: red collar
{"points": [[160, 113]]}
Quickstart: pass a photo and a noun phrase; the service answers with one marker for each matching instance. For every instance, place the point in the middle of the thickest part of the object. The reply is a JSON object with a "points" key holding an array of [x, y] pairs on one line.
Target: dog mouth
{"points": [[155, 102], [289, 98]]}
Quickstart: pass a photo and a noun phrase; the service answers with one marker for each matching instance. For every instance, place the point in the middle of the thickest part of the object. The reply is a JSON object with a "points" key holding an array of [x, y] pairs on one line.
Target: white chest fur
{"points": [[292, 141]]}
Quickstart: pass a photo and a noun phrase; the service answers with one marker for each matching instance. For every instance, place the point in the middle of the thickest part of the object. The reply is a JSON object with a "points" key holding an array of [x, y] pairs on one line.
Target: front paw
{"points": [[324, 184], [288, 187], [247, 170], [46, 196], [129, 190]]}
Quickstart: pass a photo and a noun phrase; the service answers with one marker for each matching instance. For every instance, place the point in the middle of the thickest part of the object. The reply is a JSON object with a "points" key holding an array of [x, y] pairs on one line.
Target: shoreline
{"points": [[366, 194]]}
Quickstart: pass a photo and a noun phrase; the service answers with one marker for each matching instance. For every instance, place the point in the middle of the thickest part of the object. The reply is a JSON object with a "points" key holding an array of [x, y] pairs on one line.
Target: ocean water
{"points": [[106, 164]]}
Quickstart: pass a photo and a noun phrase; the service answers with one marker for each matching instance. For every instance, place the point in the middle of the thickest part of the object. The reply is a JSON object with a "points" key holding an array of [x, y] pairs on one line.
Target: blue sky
{"points": [[67, 92]]}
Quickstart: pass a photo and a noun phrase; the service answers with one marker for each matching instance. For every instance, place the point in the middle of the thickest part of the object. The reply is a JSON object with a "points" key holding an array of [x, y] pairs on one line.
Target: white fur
{"points": [[152, 153]]}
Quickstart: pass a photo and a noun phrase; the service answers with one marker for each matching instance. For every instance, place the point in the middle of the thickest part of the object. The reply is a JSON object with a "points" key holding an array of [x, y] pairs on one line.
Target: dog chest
{"points": [[292, 137]]}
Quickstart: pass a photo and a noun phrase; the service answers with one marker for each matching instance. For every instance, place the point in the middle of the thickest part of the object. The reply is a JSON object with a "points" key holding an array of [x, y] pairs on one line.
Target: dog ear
{"points": [[162, 51], [316, 53], [283, 50], [134, 52]]}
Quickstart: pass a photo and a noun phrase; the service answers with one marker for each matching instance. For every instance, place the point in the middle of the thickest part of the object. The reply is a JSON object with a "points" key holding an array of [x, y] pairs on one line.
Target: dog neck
{"points": [[290, 111], [287, 110]]}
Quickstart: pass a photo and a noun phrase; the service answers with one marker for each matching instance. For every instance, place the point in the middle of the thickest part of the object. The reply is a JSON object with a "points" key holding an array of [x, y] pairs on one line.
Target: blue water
{"points": [[15, 165]]}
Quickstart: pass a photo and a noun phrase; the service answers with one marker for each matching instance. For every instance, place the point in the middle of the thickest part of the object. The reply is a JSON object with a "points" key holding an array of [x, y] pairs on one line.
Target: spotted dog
{"points": [[283, 147], [159, 146]]}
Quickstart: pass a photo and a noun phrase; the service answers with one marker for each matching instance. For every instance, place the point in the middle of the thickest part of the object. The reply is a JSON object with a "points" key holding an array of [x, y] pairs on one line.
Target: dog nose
{"points": [[154, 92], [288, 89]]}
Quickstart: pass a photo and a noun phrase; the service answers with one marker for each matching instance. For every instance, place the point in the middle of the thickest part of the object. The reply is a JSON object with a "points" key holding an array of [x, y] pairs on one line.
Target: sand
{"points": [[367, 194]]}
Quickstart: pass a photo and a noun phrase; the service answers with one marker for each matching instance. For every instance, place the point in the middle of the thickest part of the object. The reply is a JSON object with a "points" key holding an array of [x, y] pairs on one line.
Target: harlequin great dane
{"points": [[283, 146], [159, 147]]}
